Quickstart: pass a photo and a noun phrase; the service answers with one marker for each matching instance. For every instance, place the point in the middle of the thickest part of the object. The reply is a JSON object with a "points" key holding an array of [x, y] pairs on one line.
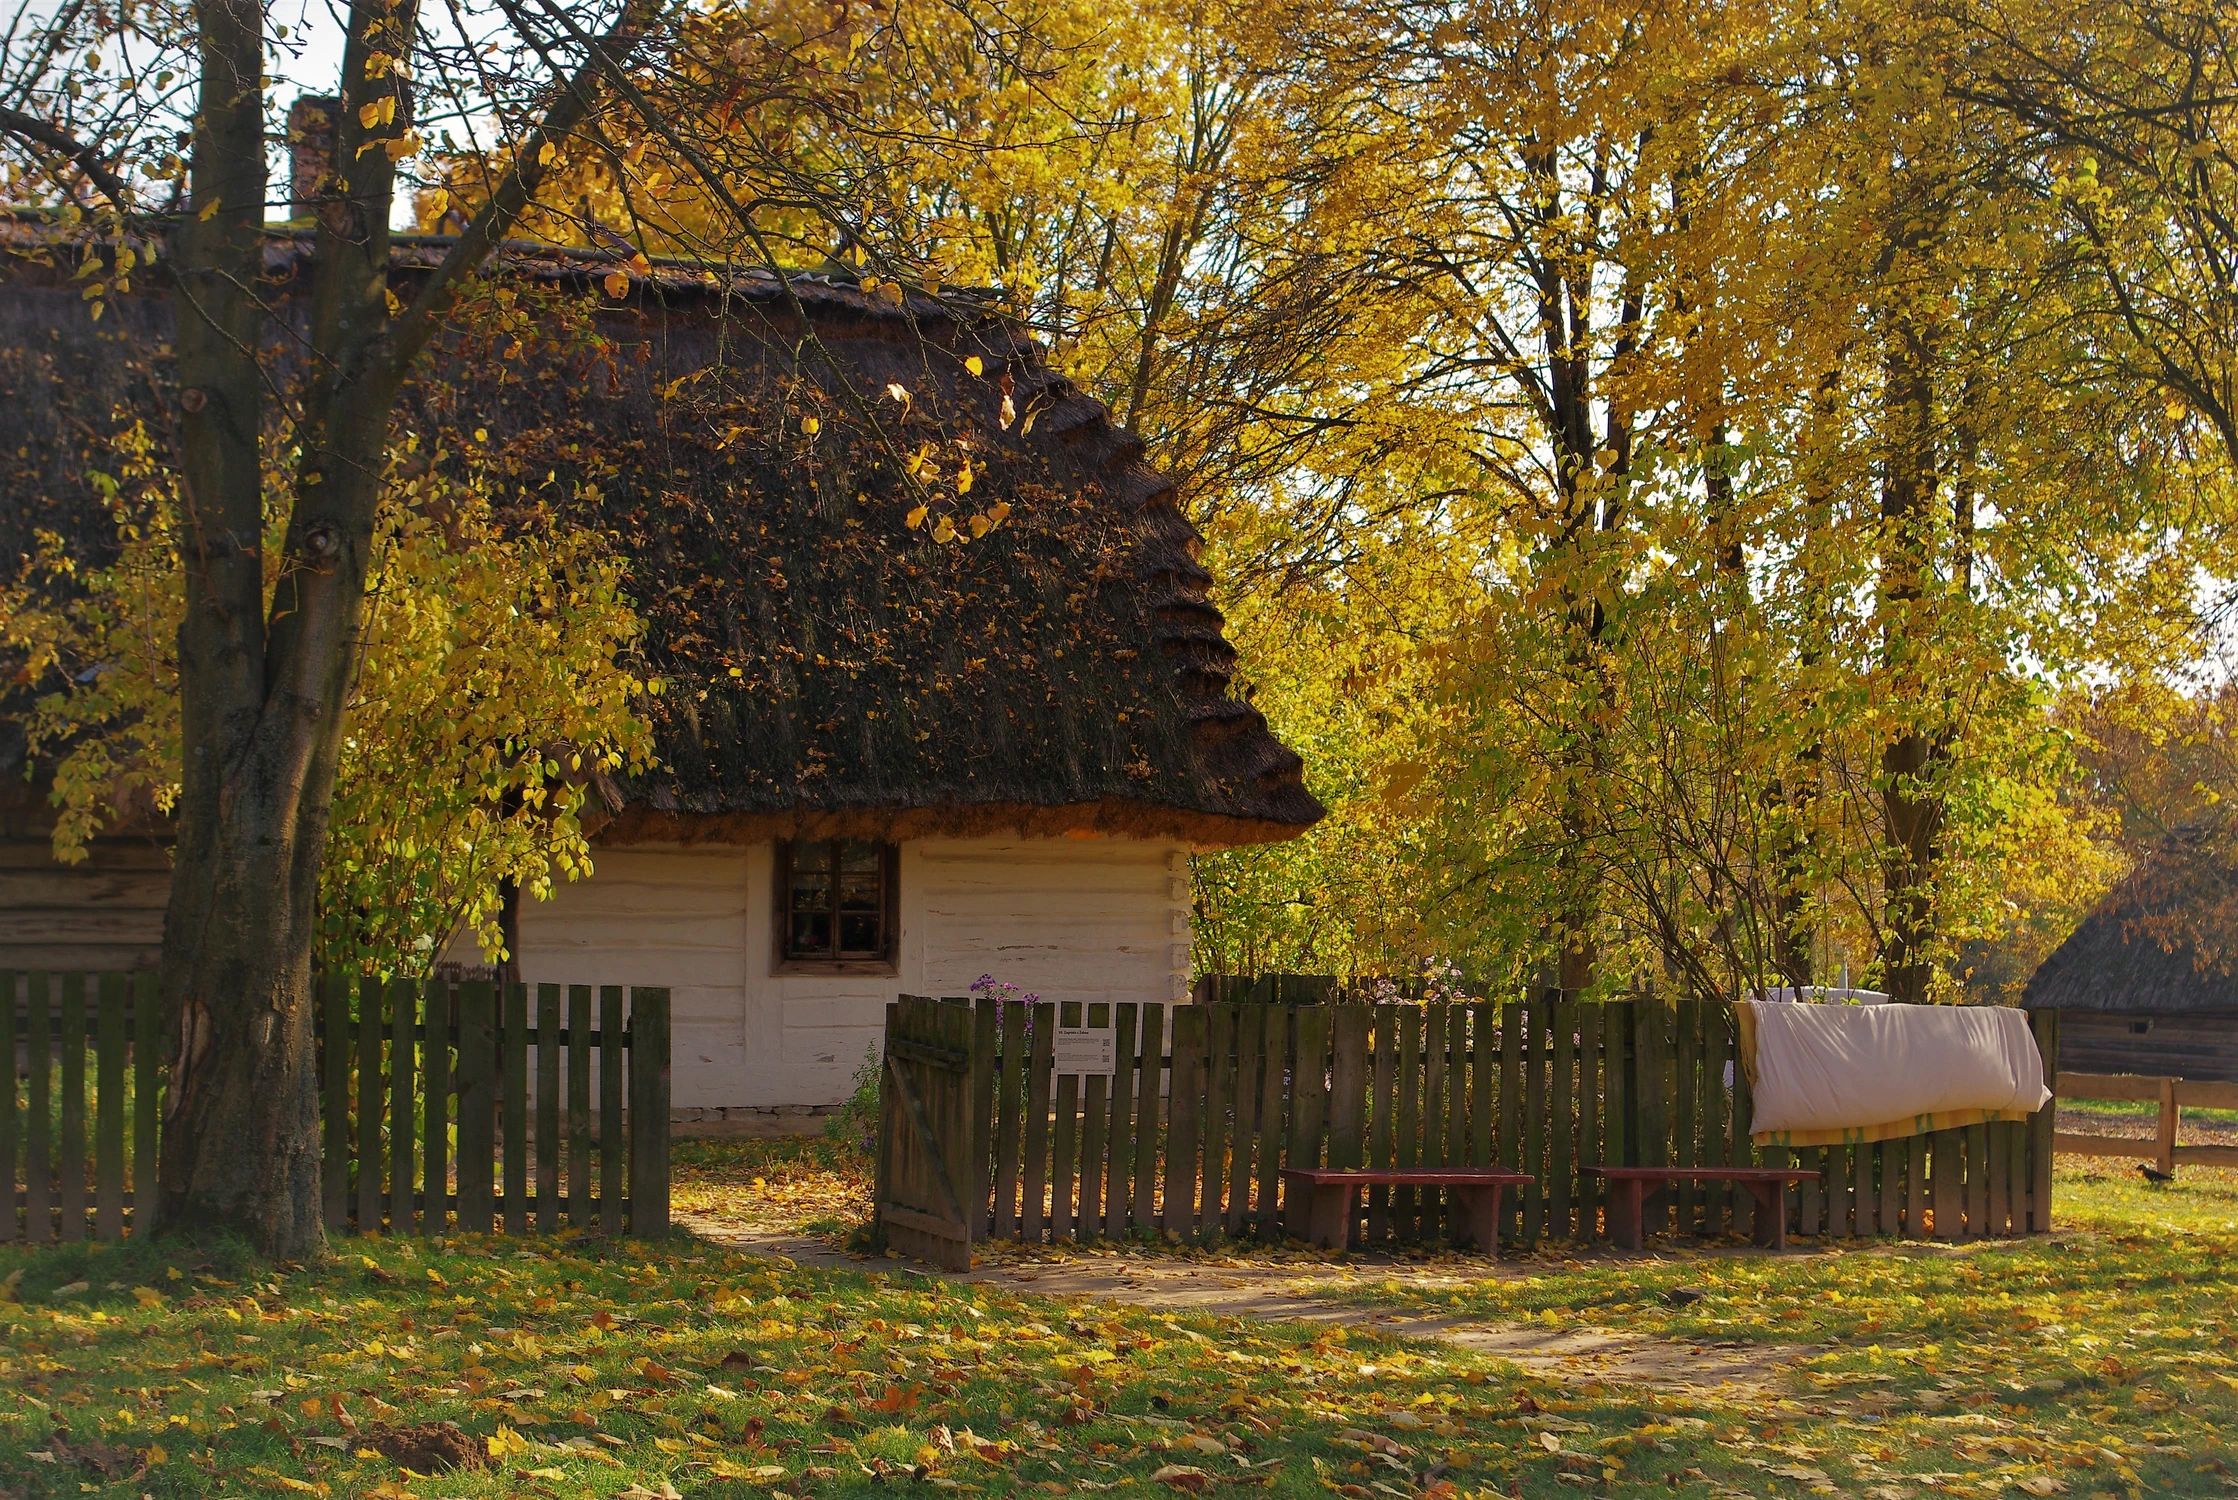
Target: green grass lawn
{"points": [[2092, 1363]]}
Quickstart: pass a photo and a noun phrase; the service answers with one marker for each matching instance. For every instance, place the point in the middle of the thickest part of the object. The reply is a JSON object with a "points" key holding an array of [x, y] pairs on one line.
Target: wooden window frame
{"points": [[887, 964]]}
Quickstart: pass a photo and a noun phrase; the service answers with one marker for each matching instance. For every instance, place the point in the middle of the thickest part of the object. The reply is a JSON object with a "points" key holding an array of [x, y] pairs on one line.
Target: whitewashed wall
{"points": [[1072, 919]]}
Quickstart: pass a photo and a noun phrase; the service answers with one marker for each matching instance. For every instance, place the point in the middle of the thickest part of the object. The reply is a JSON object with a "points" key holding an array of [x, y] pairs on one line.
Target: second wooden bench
{"points": [[1334, 1200], [1629, 1187]]}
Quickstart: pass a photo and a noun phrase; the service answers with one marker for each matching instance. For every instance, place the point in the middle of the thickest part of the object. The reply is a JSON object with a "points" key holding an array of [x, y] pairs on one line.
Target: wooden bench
{"points": [[1335, 1198], [1629, 1186]]}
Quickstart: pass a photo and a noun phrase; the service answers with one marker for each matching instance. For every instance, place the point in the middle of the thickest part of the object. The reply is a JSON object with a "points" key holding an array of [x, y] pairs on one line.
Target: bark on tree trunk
{"points": [[1911, 803]]}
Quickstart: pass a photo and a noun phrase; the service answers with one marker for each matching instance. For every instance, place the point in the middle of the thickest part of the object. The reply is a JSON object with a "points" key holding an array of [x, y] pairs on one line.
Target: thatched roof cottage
{"points": [[889, 763], [2148, 983]]}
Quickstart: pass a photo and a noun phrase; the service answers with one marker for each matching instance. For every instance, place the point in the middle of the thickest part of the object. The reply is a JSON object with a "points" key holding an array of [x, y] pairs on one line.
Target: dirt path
{"points": [[1572, 1353]]}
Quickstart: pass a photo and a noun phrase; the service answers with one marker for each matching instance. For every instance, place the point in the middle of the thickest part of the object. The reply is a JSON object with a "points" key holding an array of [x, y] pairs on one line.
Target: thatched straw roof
{"points": [[829, 668], [2164, 940]]}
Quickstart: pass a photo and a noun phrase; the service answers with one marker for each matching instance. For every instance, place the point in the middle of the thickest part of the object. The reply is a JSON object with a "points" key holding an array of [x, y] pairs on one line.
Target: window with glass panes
{"points": [[836, 901]]}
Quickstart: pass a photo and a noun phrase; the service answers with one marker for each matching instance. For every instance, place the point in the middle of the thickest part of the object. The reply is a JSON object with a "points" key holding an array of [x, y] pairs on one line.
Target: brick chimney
{"points": [[311, 122]]}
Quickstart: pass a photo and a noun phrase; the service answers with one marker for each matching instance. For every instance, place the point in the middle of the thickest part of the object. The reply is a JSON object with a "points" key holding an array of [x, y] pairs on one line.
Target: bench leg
{"points": [[1624, 1212], [1331, 1226], [1771, 1214], [1477, 1223]]}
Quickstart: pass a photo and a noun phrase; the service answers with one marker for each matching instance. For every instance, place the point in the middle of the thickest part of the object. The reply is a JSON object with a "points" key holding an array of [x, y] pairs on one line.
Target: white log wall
{"points": [[1086, 919], [105, 912]]}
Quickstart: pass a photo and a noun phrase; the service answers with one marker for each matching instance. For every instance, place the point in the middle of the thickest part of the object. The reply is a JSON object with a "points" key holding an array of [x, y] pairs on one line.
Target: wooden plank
{"points": [[108, 1105], [649, 1101], [1717, 1115], [147, 1096], [435, 1102], [1095, 1119], [334, 1107], [1484, 1020], [1010, 1109], [2197, 1095], [1538, 1059], [1510, 1144], [1185, 1114], [1034, 1219], [1309, 1105], [1590, 1018], [1151, 1041], [549, 1147], [1743, 1117], [371, 1103], [1915, 1187], [1977, 1182], [1406, 1123], [2207, 1156], [1457, 1086], [1437, 1064], [8, 1097], [1651, 1096], [476, 1001], [1243, 1136], [38, 1110], [70, 1155], [2045, 1024], [1348, 1084], [579, 1139], [1273, 1091], [1686, 1122], [984, 1022], [513, 1091], [1065, 1149], [2130, 1087], [1220, 1086], [1382, 1105], [1118, 1187], [1948, 1184], [1617, 1095], [1864, 1196], [1561, 1124], [404, 1020], [613, 1164], [1887, 1159]]}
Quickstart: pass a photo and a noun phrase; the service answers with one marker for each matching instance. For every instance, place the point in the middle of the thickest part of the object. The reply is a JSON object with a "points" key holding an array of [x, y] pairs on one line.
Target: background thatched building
{"points": [[889, 763], [2147, 984]]}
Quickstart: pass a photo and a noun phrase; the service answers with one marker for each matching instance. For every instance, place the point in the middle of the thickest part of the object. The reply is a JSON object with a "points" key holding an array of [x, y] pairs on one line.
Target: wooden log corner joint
{"points": [[1629, 1187], [1334, 1197]]}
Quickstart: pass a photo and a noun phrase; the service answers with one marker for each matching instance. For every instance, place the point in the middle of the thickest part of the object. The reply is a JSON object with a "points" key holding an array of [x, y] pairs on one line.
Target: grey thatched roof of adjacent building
{"points": [[831, 670], [2164, 940]]}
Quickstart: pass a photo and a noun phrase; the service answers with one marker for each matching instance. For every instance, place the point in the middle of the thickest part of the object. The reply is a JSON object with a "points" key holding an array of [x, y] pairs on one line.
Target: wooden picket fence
{"points": [[429, 1089], [1186, 1136]]}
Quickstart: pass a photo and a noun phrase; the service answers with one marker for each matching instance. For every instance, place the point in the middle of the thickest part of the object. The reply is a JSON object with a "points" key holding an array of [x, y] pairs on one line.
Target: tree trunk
{"points": [[1911, 802]]}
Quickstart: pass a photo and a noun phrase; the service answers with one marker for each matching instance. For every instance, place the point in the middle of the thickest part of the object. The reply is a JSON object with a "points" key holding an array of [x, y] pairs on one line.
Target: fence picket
{"points": [[579, 1106], [369, 1095], [613, 1165], [1590, 1018], [1616, 1047], [1348, 1083], [1065, 1144], [435, 1104], [1437, 1060], [8, 1107], [1744, 1152], [548, 1147], [1152, 1041], [71, 1197], [147, 1095], [984, 1022], [512, 1090], [1717, 1114], [1309, 1101], [1118, 1194], [1185, 1110], [334, 1001], [1037, 1119], [108, 1119], [1511, 1112], [1243, 1136], [477, 1119], [403, 1001], [1273, 1077], [38, 1145], [1219, 1094], [1382, 1105], [1561, 1146], [1095, 1118], [1686, 1123], [1407, 1205], [1010, 1104], [1482, 1075], [649, 1086]]}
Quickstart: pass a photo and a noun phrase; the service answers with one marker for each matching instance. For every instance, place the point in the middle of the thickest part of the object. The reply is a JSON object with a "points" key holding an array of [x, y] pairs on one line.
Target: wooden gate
{"points": [[927, 1167]]}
